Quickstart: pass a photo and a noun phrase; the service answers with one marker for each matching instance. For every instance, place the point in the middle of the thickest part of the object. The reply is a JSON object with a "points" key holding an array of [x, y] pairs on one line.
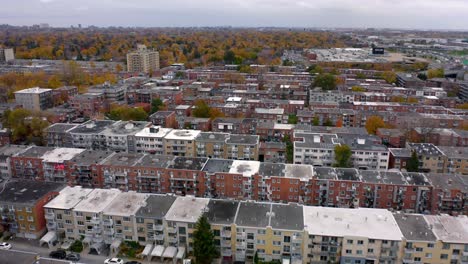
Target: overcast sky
{"points": [[423, 14]]}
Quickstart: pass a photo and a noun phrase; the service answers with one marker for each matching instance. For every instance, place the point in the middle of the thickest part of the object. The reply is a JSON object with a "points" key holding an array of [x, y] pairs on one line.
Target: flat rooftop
{"points": [[10, 150], [187, 209], [156, 206], [218, 165], [245, 167], [60, 127], [243, 139], [449, 181], [449, 229], [68, 198], [253, 214], [34, 152], [89, 157], [414, 227], [153, 131], [287, 217], [59, 155], [26, 192], [212, 137], [155, 161], [188, 163], [325, 173], [303, 172], [182, 134], [92, 127], [361, 222], [123, 159], [126, 204], [97, 200], [272, 169], [34, 90], [125, 128], [425, 149], [222, 212]]}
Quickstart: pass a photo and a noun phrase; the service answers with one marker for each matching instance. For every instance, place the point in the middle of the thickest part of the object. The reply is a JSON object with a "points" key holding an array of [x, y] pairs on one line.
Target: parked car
{"points": [[58, 254], [132, 262], [5, 245], [113, 261], [73, 257]]}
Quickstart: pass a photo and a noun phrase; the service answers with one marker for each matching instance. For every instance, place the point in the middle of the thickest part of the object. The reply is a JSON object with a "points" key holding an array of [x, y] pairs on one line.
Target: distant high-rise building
{"points": [[7, 55], [142, 60]]}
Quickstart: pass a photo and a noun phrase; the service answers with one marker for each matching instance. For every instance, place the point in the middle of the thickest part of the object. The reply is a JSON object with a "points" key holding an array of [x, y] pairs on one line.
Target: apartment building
{"points": [[59, 214], [7, 55], [28, 163], [87, 136], [319, 150], [119, 218], [242, 147], [58, 135], [21, 207], [6, 152], [89, 217], [54, 163], [36, 99], [351, 236], [164, 224], [455, 159], [150, 139], [212, 145], [83, 169], [121, 135], [143, 60], [180, 143], [90, 104]]}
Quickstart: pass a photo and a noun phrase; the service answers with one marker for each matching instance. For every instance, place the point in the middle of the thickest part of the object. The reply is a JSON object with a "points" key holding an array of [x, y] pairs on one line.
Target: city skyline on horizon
{"points": [[381, 14]]}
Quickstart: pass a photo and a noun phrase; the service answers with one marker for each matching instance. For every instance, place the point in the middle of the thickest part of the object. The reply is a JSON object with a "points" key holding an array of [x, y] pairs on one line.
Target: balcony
{"points": [[225, 233], [108, 222], [171, 230], [159, 237], [51, 226], [241, 235], [158, 227], [95, 221], [409, 250], [172, 239], [225, 243], [241, 245], [49, 216], [226, 252]]}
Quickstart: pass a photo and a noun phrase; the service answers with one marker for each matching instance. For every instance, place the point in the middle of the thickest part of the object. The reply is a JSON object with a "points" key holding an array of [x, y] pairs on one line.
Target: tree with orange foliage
{"points": [[373, 123]]}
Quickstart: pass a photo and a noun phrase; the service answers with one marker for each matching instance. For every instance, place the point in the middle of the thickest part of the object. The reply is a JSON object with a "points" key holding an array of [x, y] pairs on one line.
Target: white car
{"points": [[5, 245], [114, 261]]}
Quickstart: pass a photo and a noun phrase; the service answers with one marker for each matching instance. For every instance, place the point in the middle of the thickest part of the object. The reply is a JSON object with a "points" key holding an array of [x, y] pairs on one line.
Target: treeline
{"points": [[193, 47]]}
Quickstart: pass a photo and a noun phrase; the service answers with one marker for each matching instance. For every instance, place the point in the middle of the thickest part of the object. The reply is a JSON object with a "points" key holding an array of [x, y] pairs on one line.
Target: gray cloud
{"points": [[447, 14]]}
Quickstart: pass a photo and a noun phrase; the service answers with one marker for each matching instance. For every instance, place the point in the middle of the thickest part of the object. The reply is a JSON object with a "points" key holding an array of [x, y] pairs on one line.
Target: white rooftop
{"points": [[34, 90], [276, 111], [59, 155], [68, 198], [300, 171], [187, 209], [245, 167], [182, 134], [126, 204], [449, 229], [341, 222], [283, 126], [97, 200], [161, 132], [234, 99]]}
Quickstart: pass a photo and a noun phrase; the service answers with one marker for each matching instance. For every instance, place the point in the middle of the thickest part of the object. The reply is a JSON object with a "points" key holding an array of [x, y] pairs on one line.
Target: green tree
{"points": [[316, 121], [126, 113], [204, 248], [326, 81], [202, 109], [412, 165], [342, 156], [156, 105], [328, 122], [229, 56], [289, 149], [292, 119]]}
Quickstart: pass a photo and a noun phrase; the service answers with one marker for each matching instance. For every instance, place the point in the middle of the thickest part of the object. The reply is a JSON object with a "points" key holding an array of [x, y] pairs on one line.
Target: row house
{"points": [[89, 104], [164, 225], [6, 152], [164, 119], [276, 115], [234, 125], [440, 136], [271, 131]]}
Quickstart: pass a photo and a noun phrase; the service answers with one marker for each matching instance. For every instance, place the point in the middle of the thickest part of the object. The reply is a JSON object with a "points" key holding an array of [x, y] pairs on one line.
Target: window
{"points": [[260, 241], [371, 241], [359, 252], [349, 251], [370, 250], [349, 241], [360, 242], [446, 246], [261, 232], [428, 255], [80, 223], [250, 236], [276, 243], [216, 232], [443, 256], [287, 239], [28, 209], [430, 245], [277, 233]]}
